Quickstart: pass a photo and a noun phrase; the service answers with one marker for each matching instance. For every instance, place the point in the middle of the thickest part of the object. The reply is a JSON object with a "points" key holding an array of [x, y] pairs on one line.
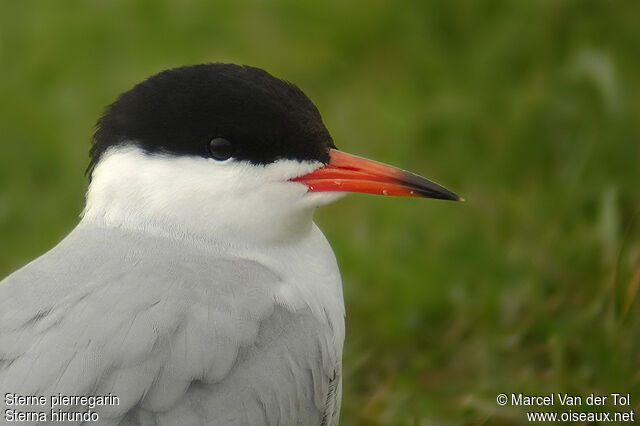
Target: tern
{"points": [[196, 288]]}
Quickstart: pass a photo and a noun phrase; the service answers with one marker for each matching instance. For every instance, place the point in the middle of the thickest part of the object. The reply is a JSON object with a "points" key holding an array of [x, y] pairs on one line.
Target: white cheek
{"points": [[319, 199], [204, 197]]}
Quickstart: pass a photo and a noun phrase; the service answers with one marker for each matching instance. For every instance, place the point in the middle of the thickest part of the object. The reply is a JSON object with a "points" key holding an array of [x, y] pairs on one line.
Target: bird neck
{"points": [[191, 198]]}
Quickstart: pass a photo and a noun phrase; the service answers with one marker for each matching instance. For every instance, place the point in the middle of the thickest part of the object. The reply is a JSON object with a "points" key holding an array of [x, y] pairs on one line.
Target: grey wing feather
{"points": [[187, 339]]}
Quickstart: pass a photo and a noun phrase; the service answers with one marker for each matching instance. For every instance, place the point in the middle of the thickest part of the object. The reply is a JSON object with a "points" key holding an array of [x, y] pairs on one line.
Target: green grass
{"points": [[529, 109]]}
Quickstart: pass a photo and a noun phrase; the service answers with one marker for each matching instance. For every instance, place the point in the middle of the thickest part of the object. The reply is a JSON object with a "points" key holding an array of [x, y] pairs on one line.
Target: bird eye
{"points": [[220, 149]]}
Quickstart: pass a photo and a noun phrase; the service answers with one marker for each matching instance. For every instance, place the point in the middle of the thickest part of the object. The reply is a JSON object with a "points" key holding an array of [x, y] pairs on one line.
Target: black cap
{"points": [[181, 110]]}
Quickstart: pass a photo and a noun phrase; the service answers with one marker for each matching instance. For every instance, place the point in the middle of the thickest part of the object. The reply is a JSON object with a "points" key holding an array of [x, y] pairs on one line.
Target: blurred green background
{"points": [[529, 109]]}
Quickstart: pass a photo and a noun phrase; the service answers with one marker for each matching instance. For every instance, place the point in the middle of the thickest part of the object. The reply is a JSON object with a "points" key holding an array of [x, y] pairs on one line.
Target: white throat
{"points": [[231, 202]]}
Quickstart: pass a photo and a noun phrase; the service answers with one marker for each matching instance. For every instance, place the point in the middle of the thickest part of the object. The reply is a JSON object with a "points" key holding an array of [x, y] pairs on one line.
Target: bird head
{"points": [[225, 151]]}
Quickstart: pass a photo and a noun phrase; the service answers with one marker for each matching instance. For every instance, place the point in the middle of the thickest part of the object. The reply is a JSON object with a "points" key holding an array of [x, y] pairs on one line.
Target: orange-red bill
{"points": [[350, 173]]}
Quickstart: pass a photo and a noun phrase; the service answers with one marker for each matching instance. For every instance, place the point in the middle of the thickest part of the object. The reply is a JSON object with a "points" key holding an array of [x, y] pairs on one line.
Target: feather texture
{"points": [[181, 332]]}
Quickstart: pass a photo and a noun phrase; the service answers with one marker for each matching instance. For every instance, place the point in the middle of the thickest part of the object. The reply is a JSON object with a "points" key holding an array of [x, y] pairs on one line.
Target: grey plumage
{"points": [[181, 333]]}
